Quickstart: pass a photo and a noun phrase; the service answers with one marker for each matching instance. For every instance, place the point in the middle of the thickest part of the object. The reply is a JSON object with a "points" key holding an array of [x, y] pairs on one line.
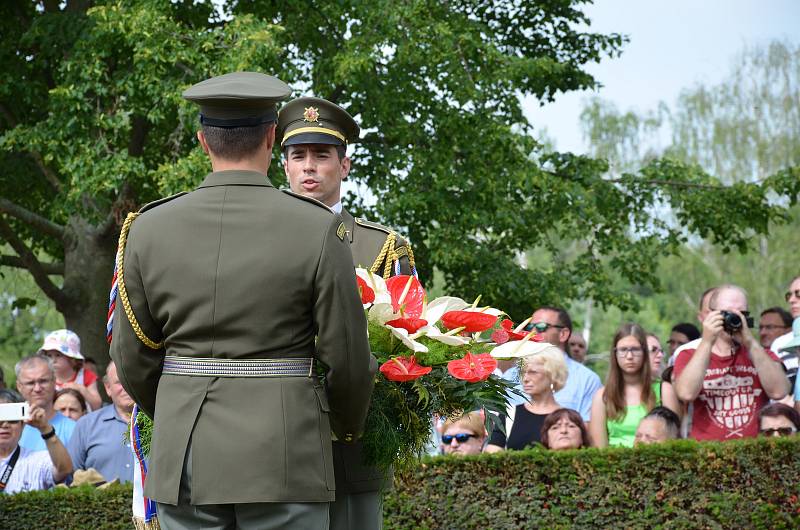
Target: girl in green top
{"points": [[628, 395]]}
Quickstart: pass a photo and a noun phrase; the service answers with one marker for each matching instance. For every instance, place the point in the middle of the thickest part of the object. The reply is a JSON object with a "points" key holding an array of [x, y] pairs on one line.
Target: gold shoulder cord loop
{"points": [[382, 255], [411, 257], [123, 292]]}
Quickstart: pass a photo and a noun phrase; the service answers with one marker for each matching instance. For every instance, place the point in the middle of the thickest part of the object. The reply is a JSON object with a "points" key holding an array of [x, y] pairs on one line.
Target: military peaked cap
{"points": [[238, 99], [315, 121]]}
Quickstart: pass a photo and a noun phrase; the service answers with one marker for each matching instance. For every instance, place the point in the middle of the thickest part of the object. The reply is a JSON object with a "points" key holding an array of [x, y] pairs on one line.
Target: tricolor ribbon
{"points": [[148, 506], [112, 304]]}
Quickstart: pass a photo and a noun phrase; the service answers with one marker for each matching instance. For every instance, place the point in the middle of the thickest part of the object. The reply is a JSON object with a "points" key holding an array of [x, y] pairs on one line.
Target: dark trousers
{"points": [[256, 516]]}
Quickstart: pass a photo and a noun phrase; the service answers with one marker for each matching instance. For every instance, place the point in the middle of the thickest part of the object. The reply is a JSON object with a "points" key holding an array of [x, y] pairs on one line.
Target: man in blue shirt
{"points": [[99, 439], [555, 326], [36, 381]]}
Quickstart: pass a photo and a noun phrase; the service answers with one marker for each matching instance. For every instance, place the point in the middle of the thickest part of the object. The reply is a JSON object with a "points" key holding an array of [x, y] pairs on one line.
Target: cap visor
{"points": [[312, 138]]}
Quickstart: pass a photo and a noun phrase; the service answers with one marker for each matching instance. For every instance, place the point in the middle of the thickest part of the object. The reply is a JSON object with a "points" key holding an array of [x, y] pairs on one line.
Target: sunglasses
{"points": [[11, 422], [460, 437], [780, 431], [789, 294], [541, 327]]}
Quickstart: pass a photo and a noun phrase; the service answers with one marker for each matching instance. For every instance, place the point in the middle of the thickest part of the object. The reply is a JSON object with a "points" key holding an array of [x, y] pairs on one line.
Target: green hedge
{"points": [[742, 484]]}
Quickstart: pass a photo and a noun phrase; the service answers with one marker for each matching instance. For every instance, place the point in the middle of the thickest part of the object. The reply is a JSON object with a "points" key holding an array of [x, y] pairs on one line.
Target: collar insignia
{"points": [[311, 114]]}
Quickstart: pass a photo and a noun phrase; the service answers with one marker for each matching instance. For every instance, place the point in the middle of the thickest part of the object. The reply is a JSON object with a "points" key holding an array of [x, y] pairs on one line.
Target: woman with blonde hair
{"points": [[542, 373], [628, 395]]}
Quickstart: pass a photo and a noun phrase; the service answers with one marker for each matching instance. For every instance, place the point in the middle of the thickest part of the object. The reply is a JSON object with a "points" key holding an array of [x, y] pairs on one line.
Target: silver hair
{"points": [[32, 359]]}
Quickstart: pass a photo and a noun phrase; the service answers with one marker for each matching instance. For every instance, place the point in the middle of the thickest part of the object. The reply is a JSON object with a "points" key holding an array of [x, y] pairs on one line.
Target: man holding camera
{"points": [[729, 377]]}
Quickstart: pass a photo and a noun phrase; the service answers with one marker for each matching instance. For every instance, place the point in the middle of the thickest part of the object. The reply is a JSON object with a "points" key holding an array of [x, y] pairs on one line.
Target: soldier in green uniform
{"points": [[314, 134], [233, 298]]}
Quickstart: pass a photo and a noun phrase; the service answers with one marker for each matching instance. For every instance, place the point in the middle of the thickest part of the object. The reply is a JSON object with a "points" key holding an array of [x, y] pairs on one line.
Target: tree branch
{"points": [[46, 171], [32, 264], [35, 155], [673, 183], [334, 96], [138, 135], [125, 203], [16, 262], [35, 220]]}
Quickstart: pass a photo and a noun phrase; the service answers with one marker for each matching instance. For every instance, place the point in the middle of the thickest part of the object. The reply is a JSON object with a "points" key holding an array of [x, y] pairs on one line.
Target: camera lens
{"points": [[731, 322]]}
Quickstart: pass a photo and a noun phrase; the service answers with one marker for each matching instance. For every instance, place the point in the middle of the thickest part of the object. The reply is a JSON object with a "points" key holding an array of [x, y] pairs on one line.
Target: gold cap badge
{"points": [[311, 114]]}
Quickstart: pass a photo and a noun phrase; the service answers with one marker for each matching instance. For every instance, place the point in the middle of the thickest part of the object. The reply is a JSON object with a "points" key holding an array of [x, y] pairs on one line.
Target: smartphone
{"points": [[14, 411]]}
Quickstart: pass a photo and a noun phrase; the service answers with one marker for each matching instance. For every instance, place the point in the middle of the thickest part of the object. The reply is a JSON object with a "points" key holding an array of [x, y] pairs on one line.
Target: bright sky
{"points": [[673, 45]]}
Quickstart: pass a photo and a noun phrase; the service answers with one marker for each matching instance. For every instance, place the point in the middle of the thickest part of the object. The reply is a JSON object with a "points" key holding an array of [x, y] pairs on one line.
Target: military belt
{"points": [[215, 367]]}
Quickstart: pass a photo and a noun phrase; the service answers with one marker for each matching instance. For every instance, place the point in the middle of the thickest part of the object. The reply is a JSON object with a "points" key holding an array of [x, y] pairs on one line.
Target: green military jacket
{"points": [[238, 269], [367, 241]]}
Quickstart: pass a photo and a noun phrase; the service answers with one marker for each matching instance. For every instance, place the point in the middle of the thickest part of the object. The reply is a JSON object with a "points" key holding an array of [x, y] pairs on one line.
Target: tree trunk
{"points": [[88, 268]]}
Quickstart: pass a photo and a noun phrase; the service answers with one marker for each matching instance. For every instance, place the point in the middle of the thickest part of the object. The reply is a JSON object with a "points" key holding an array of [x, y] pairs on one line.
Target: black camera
{"points": [[732, 323]]}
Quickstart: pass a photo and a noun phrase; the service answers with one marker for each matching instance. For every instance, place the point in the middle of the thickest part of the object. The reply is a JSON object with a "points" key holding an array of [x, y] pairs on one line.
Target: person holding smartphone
{"points": [[22, 469]]}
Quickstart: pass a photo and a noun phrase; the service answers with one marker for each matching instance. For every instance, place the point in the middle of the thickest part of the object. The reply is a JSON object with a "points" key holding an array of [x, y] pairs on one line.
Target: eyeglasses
{"points": [[623, 352], [656, 349], [770, 327], [11, 422], [460, 437], [789, 294], [541, 327], [780, 431], [32, 384]]}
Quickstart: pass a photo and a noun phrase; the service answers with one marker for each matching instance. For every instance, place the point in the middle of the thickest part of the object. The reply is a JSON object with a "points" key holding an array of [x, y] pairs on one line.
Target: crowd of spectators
{"points": [[718, 381], [69, 429], [727, 378]]}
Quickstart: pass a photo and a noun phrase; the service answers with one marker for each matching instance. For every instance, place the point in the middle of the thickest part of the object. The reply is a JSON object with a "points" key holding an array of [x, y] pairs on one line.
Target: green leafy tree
{"points": [[743, 129], [96, 127]]}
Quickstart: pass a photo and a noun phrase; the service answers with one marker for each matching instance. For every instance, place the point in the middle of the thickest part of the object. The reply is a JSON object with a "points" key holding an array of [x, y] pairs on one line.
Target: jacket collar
{"points": [[349, 223], [235, 177]]}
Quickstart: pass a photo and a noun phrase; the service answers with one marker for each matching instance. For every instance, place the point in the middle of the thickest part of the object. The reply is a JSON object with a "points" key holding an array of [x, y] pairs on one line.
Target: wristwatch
{"points": [[49, 435]]}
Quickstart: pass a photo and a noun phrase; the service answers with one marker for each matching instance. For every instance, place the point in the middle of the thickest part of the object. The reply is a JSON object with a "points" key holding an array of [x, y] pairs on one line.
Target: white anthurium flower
{"points": [[408, 340], [520, 348], [377, 284], [486, 309], [450, 338], [382, 313]]}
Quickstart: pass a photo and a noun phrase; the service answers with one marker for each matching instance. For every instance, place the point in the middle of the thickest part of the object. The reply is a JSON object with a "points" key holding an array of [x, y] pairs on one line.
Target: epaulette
{"points": [[307, 199], [159, 202], [370, 224]]}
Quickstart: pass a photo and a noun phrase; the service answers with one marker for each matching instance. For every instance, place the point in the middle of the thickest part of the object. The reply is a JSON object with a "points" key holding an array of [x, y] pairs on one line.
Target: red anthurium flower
{"points": [[508, 326], [472, 368], [409, 324], [471, 321], [407, 295], [403, 369], [366, 292], [500, 336]]}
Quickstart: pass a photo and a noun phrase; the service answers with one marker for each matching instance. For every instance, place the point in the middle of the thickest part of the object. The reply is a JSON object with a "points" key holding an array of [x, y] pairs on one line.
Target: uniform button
{"points": [[348, 437]]}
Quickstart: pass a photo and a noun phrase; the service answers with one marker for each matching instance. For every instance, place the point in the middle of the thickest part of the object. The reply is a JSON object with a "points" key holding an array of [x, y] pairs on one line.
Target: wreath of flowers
{"points": [[435, 360]]}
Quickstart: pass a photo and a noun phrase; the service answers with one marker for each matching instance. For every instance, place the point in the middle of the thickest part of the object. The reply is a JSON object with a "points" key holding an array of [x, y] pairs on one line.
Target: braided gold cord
{"points": [[123, 292], [410, 256], [391, 257], [388, 244]]}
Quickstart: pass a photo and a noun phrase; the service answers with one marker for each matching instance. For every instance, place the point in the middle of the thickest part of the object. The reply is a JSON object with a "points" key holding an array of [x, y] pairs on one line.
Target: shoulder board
{"points": [[159, 202], [307, 199], [370, 224]]}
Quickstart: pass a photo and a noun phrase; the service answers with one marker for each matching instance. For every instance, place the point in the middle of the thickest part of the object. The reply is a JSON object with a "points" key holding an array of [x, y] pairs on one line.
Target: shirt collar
{"points": [[235, 177], [337, 207]]}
